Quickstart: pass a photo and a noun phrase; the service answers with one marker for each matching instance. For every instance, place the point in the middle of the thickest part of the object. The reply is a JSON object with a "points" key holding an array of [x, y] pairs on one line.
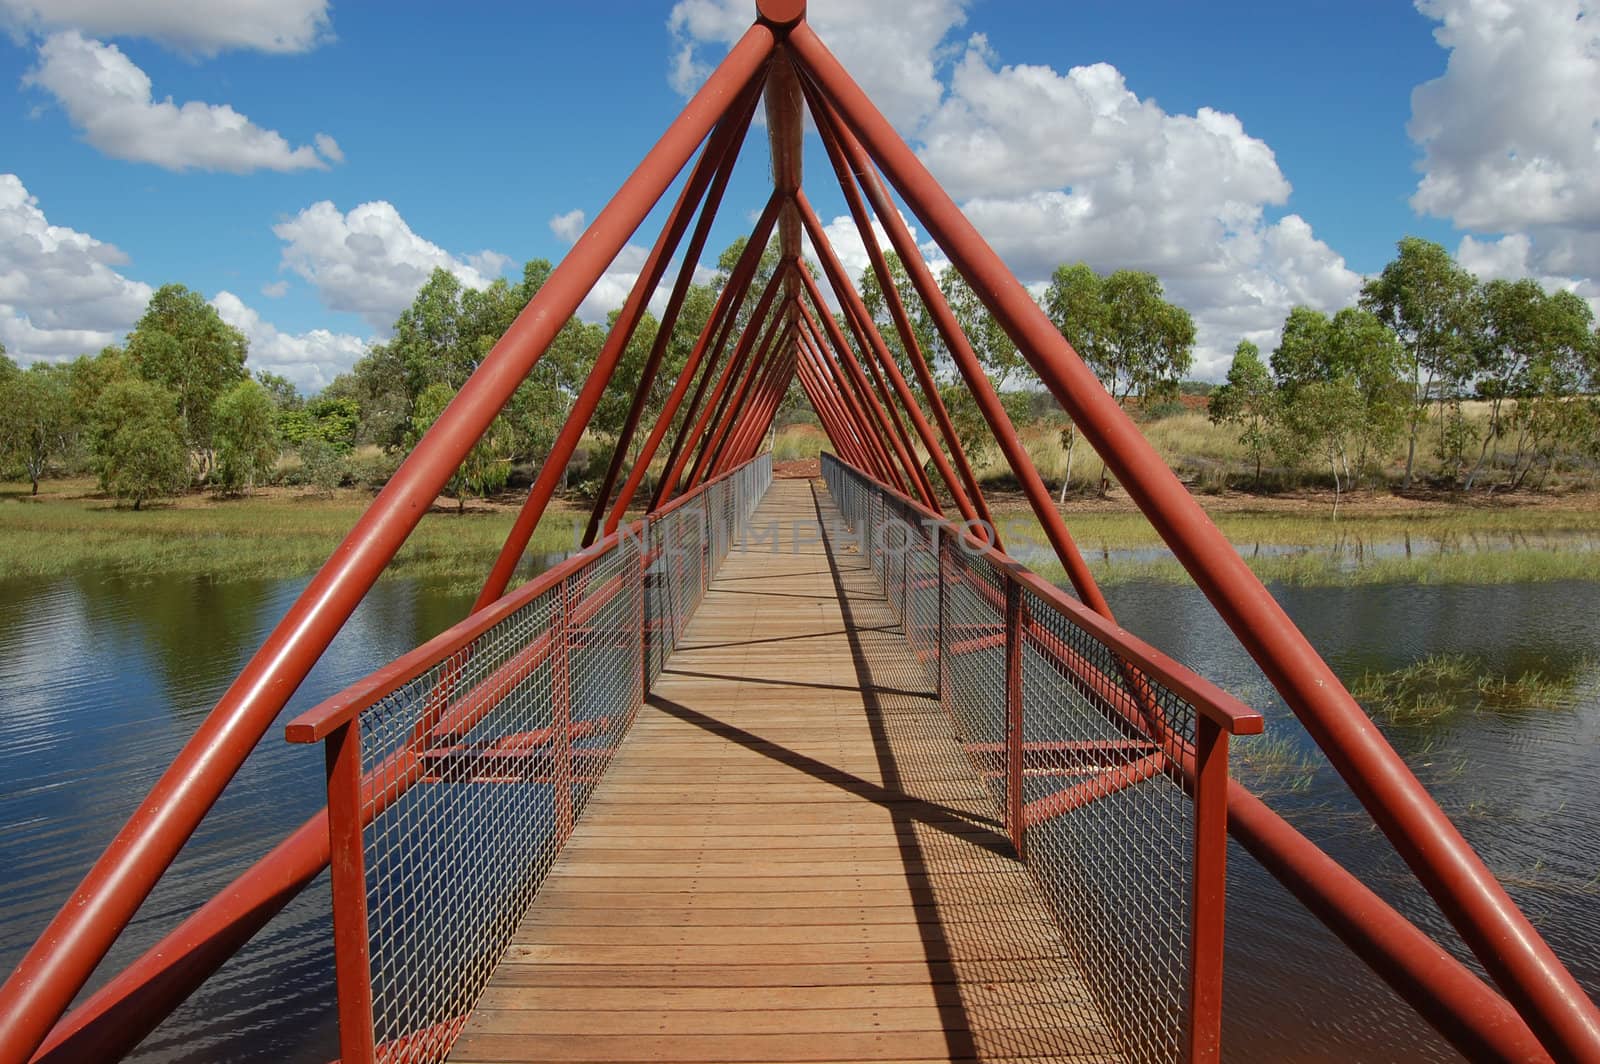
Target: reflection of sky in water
{"points": [[101, 681], [1518, 783]]}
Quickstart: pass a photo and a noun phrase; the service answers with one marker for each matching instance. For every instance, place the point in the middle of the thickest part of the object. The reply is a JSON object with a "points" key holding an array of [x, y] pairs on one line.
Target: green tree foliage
{"points": [[1137, 343], [245, 435], [182, 344], [1248, 401], [284, 395], [995, 351], [486, 467], [1534, 353], [138, 450], [1341, 394], [1428, 301], [334, 419], [35, 416]]}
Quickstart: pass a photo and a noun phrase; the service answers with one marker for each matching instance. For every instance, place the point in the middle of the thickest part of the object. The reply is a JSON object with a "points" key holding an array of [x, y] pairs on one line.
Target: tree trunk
{"points": [[138, 500], [1411, 455], [35, 485], [1066, 478]]}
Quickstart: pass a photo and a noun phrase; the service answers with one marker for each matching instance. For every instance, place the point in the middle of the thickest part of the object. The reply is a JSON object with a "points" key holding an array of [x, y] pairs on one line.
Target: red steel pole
{"points": [[554, 468], [758, 238], [849, 391], [959, 484], [838, 435], [876, 352], [749, 407], [830, 405], [1512, 950], [852, 372], [67, 952], [750, 443], [757, 370], [352, 959], [893, 431], [719, 394], [971, 502], [669, 318]]}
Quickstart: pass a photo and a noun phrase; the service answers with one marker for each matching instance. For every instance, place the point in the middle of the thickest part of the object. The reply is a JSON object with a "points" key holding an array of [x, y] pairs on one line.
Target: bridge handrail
{"points": [[456, 774], [1227, 711], [316, 723]]}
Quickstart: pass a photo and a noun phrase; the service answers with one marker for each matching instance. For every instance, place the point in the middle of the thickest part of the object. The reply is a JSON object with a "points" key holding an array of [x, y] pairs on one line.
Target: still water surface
{"points": [[102, 679]]}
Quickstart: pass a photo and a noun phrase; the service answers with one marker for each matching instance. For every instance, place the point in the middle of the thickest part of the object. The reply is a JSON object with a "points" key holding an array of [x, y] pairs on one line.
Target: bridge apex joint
{"points": [[781, 14]]}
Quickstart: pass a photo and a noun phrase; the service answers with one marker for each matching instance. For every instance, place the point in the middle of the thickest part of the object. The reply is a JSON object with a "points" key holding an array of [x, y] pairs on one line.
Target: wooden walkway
{"points": [[790, 858]]}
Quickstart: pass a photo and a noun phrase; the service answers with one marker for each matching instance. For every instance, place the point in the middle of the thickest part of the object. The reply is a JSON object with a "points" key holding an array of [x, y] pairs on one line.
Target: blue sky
{"points": [[1254, 155]]}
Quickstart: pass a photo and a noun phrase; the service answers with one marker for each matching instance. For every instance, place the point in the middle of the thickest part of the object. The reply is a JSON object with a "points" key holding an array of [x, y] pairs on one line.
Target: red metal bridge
{"points": [[805, 770]]}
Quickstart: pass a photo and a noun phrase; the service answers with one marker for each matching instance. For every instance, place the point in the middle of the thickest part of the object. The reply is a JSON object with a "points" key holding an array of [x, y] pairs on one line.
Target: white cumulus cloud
{"points": [[1058, 166], [568, 226], [310, 359], [60, 293], [892, 49], [109, 99], [368, 261], [1510, 136], [201, 29]]}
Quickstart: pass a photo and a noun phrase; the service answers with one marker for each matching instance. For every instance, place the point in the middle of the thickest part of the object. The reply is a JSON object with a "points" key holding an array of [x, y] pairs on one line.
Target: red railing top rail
{"points": [[1217, 705], [327, 716]]}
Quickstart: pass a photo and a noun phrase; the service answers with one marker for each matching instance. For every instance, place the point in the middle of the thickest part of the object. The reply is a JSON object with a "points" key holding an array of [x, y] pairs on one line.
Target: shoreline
{"points": [[285, 533]]}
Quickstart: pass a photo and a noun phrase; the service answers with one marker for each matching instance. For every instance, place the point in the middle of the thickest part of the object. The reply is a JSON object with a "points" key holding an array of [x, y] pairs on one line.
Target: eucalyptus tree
{"points": [[1427, 299]]}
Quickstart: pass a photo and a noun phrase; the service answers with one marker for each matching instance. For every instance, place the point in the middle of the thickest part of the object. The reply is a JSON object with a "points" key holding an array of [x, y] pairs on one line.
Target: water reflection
{"points": [[103, 679], [1517, 782]]}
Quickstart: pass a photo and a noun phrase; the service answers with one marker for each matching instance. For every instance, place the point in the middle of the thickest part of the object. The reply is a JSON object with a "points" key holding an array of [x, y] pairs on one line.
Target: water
{"points": [[103, 679], [1519, 784]]}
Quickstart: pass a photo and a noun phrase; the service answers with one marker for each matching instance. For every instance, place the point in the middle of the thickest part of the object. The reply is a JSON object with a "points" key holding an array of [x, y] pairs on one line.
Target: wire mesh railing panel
{"points": [[464, 821], [479, 751], [1110, 824], [1099, 757]]}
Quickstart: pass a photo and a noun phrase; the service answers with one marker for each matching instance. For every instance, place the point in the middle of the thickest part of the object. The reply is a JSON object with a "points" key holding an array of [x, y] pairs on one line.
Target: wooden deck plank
{"points": [[790, 859]]}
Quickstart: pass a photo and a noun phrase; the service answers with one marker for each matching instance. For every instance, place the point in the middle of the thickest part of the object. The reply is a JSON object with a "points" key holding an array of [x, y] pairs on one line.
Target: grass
{"points": [[282, 534], [1443, 685]]}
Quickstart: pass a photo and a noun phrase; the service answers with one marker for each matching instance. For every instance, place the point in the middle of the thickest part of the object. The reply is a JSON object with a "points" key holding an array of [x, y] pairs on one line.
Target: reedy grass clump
{"points": [[256, 537], [1443, 685]]}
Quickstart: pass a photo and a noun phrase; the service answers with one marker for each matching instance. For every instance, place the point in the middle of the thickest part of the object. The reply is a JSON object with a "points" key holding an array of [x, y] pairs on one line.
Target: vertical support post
{"points": [[642, 607], [1208, 892], [352, 962], [939, 556], [561, 712], [1013, 622]]}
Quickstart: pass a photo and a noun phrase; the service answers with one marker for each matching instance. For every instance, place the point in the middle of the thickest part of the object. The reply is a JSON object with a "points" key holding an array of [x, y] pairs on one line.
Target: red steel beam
{"points": [[876, 353], [753, 407], [718, 397], [553, 471], [759, 369], [669, 321], [829, 406], [1502, 938], [750, 443], [758, 238], [50, 975], [963, 486], [856, 379], [880, 405], [832, 424], [849, 395]]}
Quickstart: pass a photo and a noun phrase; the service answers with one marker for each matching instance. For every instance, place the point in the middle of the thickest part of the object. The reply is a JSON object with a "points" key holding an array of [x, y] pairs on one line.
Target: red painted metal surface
{"points": [[1567, 1022], [1014, 737], [669, 410], [56, 968], [351, 957], [669, 321], [1208, 891]]}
